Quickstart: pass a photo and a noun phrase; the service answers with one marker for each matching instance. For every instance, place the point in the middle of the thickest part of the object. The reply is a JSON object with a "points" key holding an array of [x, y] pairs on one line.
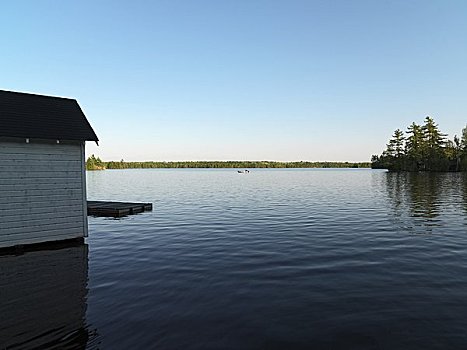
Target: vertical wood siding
{"points": [[41, 192]]}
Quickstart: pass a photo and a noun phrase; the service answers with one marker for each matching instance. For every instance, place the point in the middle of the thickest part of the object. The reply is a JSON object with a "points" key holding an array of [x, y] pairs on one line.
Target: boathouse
{"points": [[42, 169]]}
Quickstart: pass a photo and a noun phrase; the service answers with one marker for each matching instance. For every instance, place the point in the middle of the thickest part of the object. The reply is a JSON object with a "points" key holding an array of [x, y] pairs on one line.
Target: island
{"points": [[423, 148]]}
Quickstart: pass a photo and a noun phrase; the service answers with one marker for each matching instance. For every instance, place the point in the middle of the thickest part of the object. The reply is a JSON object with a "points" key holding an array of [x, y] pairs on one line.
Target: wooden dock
{"points": [[116, 209]]}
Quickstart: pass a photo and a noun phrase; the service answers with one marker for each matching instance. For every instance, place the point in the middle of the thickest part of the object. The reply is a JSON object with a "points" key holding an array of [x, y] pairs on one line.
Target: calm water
{"points": [[274, 259]]}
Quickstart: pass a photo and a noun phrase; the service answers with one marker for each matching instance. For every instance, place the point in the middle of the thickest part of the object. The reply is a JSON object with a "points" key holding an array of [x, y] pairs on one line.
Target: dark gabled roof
{"points": [[43, 117]]}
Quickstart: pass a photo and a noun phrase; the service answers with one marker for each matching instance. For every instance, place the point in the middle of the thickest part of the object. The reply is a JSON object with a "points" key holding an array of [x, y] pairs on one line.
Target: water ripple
{"points": [[322, 259]]}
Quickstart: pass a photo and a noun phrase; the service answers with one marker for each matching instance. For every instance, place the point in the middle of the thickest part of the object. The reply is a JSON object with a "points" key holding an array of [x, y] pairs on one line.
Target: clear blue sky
{"points": [[242, 79]]}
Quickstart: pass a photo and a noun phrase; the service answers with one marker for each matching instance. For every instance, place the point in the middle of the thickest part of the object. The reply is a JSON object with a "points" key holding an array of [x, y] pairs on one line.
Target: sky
{"points": [[242, 79]]}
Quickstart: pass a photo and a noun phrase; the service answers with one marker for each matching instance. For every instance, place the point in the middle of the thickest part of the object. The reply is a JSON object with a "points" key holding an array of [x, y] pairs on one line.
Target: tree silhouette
{"points": [[425, 148]]}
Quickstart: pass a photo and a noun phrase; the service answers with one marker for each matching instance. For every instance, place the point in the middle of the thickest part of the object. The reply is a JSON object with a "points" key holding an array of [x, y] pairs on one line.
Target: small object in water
{"points": [[240, 171], [116, 209], [247, 171]]}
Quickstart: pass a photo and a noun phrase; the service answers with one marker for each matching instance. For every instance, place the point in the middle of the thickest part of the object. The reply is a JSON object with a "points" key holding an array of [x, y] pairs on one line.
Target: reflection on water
{"points": [[280, 259], [43, 299], [320, 259], [464, 191], [423, 200]]}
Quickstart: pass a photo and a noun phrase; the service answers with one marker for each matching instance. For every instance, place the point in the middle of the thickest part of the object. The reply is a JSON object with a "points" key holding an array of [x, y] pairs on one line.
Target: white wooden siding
{"points": [[42, 192]]}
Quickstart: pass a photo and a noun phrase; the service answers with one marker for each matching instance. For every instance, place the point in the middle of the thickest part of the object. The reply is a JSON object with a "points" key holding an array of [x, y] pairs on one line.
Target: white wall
{"points": [[42, 197]]}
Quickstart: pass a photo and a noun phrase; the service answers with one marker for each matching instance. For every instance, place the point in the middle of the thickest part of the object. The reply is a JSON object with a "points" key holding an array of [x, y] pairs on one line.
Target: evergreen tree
{"points": [[395, 150], [414, 146], [93, 163], [464, 140], [425, 148], [433, 143], [463, 150]]}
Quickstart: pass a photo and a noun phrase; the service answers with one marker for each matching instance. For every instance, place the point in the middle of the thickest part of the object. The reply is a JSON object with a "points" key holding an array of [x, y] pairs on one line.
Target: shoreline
{"points": [[102, 165]]}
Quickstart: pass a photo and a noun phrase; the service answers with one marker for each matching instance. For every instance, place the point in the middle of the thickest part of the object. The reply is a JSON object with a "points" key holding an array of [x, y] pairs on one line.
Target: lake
{"points": [[273, 259]]}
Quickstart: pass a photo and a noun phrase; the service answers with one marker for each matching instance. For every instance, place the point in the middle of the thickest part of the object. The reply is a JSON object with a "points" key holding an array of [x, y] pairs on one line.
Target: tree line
{"points": [[423, 148], [94, 163]]}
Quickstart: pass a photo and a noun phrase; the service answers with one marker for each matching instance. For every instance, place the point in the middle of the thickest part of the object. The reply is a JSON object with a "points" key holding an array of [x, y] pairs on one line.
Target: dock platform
{"points": [[116, 209]]}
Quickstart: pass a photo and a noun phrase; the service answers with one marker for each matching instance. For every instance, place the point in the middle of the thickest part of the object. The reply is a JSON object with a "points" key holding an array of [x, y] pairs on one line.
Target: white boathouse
{"points": [[42, 169]]}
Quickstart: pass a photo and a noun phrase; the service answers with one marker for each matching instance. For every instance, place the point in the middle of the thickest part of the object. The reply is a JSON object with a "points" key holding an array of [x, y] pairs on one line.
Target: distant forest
{"points": [[94, 163], [423, 148]]}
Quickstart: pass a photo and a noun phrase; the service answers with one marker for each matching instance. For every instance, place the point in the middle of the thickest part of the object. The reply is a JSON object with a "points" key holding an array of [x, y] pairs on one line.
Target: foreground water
{"points": [[320, 259]]}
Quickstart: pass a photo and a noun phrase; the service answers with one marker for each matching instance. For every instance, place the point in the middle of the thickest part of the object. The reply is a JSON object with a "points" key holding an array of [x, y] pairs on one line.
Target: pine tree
{"points": [[464, 140], [433, 143], [414, 146], [424, 148], [463, 150]]}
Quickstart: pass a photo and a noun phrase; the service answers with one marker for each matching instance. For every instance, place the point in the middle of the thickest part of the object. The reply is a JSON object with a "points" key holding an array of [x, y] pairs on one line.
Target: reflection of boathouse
{"points": [[43, 299], [42, 169]]}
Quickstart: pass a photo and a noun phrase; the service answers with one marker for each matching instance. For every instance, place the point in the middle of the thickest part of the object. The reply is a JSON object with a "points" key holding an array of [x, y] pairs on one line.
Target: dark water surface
{"points": [[274, 259]]}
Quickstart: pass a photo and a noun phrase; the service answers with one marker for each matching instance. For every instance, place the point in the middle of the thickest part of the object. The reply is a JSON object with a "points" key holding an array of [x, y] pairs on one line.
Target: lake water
{"points": [[273, 259]]}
